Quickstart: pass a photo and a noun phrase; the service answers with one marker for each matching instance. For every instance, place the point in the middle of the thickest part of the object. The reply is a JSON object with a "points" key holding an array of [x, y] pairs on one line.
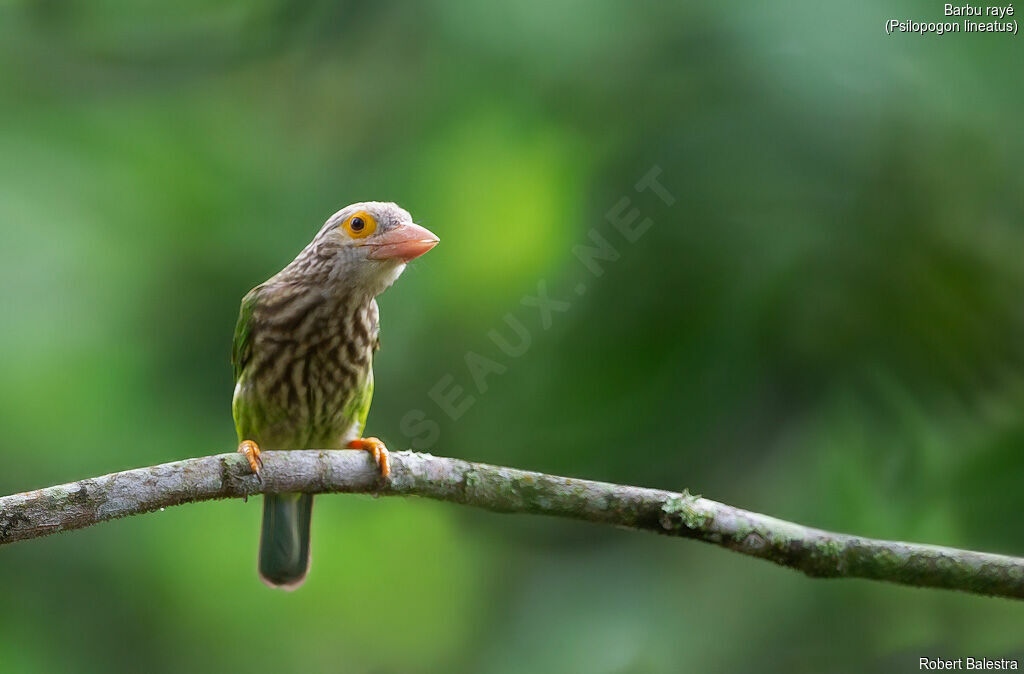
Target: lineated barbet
{"points": [[302, 357]]}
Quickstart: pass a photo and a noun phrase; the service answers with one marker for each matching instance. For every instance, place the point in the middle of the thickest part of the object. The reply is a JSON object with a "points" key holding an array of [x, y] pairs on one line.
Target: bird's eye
{"points": [[360, 225]]}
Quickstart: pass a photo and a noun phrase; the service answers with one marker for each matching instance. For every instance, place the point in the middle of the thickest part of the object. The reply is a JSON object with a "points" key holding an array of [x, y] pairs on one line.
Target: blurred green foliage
{"points": [[827, 325]]}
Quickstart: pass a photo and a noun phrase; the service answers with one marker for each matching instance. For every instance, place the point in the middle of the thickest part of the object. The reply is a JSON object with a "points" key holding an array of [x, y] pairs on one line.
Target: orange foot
{"points": [[251, 451], [375, 447]]}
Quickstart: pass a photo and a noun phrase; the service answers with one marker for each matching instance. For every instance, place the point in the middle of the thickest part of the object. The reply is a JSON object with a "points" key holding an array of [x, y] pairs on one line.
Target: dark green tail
{"points": [[284, 540]]}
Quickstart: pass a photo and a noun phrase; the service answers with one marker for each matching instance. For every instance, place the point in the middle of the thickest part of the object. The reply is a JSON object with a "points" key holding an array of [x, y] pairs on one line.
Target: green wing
{"points": [[361, 404], [359, 408], [241, 348], [247, 417], [367, 399]]}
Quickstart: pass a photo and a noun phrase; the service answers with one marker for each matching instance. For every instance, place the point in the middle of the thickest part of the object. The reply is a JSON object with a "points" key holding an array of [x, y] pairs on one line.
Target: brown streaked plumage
{"points": [[303, 354]]}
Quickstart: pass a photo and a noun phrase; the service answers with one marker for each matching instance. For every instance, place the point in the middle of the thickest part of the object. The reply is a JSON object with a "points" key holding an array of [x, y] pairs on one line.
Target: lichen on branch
{"points": [[817, 553]]}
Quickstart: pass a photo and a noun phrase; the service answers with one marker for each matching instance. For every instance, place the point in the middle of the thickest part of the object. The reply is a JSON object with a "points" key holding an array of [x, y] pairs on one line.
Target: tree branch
{"points": [[815, 552]]}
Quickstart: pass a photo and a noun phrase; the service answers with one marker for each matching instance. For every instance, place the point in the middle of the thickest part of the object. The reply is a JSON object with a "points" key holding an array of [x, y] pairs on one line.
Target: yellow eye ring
{"points": [[359, 225]]}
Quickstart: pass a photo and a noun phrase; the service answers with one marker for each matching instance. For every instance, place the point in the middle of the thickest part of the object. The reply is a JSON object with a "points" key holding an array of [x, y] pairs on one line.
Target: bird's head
{"points": [[365, 245]]}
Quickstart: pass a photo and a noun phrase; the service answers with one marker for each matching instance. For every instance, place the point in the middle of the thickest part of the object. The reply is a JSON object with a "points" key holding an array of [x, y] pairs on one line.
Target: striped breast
{"points": [[311, 355]]}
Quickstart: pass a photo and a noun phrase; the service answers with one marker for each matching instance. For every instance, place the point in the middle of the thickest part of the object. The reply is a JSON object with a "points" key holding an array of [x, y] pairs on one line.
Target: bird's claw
{"points": [[377, 450], [251, 451]]}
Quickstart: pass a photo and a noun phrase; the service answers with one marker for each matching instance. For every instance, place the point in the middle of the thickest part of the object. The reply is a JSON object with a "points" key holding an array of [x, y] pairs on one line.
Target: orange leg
{"points": [[251, 451], [377, 449]]}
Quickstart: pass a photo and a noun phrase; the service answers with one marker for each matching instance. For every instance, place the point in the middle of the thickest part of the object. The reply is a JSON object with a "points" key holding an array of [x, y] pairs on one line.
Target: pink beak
{"points": [[405, 242]]}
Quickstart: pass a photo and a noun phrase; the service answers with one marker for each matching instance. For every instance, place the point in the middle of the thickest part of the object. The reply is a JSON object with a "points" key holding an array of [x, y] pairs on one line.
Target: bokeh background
{"points": [[827, 324]]}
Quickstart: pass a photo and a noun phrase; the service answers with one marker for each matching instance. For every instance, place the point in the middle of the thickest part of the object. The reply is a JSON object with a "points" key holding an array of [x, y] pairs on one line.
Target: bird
{"points": [[303, 361]]}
